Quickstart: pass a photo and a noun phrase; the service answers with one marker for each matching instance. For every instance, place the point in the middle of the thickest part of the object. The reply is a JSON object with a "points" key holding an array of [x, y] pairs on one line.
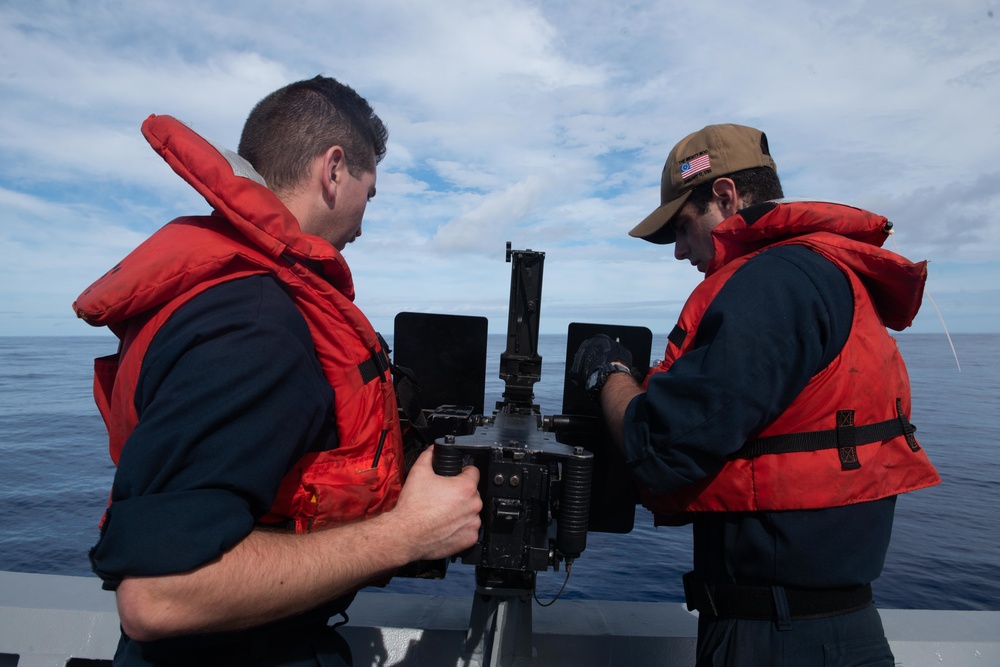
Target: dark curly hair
{"points": [[754, 185]]}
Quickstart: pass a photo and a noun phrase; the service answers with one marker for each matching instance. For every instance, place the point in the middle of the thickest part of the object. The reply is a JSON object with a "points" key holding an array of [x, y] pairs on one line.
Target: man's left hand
{"points": [[593, 354]]}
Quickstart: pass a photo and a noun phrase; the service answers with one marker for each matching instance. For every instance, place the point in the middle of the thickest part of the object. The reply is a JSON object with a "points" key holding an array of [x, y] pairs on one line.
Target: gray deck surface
{"points": [[47, 619]]}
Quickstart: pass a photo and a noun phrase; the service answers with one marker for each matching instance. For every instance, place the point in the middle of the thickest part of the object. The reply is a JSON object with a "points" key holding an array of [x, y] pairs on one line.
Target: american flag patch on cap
{"points": [[695, 165]]}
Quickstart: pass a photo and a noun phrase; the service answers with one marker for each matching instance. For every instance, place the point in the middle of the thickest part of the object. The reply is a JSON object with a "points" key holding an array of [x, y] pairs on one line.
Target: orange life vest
{"points": [[846, 438], [251, 232]]}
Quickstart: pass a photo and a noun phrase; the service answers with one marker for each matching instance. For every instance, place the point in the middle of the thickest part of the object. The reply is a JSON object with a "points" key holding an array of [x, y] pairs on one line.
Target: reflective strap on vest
{"points": [[845, 438]]}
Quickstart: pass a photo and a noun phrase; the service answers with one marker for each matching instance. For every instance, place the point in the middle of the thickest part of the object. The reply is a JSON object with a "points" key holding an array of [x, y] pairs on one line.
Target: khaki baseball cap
{"points": [[700, 157]]}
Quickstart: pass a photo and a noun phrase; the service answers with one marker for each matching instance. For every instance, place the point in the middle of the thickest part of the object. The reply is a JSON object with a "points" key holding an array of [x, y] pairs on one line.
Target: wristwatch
{"points": [[599, 376]]}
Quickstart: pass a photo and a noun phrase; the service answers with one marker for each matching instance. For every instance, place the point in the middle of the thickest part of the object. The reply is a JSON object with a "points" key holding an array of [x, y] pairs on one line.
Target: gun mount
{"points": [[537, 473]]}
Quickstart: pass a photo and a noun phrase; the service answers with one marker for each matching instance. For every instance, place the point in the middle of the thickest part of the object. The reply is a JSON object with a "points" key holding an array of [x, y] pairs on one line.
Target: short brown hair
{"points": [[287, 129]]}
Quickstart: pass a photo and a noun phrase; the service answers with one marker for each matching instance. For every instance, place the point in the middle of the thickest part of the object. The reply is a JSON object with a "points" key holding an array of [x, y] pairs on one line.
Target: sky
{"points": [[545, 124]]}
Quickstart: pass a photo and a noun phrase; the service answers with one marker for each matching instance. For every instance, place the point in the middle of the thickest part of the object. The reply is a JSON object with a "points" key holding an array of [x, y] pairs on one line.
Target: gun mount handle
{"points": [[446, 460]]}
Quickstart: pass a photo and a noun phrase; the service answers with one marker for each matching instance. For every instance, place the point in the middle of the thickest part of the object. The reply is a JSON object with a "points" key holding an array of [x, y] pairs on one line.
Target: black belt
{"points": [[760, 603]]}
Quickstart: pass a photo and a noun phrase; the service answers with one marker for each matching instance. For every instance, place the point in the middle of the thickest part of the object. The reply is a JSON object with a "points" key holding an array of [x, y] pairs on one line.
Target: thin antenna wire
{"points": [[892, 235], [945, 329]]}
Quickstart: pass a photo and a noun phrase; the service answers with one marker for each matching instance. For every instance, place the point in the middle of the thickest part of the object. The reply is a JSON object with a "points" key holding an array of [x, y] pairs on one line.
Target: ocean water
{"points": [[55, 475]]}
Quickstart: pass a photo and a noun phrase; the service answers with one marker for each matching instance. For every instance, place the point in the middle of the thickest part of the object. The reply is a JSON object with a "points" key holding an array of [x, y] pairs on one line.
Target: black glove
{"points": [[595, 359]]}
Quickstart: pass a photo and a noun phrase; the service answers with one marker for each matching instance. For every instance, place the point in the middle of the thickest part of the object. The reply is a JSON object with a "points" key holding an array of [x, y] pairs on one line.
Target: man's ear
{"points": [[726, 196], [333, 170]]}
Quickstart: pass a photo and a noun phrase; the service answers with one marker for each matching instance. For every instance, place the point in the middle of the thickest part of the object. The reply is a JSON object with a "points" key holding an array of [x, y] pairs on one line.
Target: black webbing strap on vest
{"points": [[677, 335], [847, 444], [845, 438], [908, 428], [377, 364], [404, 385], [404, 382], [760, 603]]}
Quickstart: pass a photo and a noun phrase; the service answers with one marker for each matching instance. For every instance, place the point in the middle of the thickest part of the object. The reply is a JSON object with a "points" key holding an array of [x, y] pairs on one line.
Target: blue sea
{"points": [[55, 475]]}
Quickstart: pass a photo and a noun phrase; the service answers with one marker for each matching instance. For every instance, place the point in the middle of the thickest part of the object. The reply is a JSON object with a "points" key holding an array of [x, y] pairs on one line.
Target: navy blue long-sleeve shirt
{"points": [[229, 396], [780, 319]]}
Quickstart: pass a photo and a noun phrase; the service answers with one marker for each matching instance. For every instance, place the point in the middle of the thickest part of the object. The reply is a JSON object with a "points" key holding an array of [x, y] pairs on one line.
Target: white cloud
{"points": [[544, 124]]}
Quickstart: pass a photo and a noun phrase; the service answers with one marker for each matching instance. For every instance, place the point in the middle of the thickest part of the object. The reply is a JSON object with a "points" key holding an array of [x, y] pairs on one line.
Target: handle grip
{"points": [[446, 460]]}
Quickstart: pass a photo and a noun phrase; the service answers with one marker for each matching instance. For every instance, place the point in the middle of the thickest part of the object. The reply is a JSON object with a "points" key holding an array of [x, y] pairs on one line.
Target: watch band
{"points": [[599, 377]]}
